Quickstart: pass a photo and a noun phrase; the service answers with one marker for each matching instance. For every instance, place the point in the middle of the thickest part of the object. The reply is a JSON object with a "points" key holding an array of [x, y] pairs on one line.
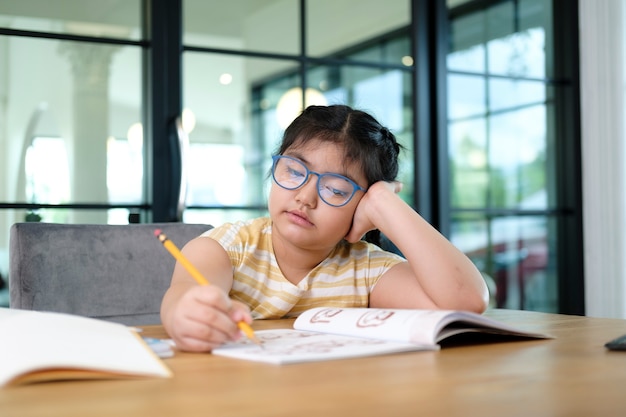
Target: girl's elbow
{"points": [[478, 301], [477, 297]]}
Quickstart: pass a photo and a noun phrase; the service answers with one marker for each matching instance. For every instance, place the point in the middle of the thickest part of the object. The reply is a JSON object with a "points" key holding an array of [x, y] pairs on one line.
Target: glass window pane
{"points": [[250, 25], [47, 171], [99, 18], [467, 49], [466, 96], [511, 93], [516, 256], [470, 233], [516, 40], [346, 30], [455, 3], [535, 21], [510, 37], [70, 140], [216, 217], [470, 176], [471, 59], [499, 20], [517, 159], [501, 140], [233, 137], [520, 263], [382, 93], [379, 92], [521, 54]]}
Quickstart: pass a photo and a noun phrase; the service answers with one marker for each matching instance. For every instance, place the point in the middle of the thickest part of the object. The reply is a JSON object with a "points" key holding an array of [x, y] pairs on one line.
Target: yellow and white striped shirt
{"points": [[344, 279]]}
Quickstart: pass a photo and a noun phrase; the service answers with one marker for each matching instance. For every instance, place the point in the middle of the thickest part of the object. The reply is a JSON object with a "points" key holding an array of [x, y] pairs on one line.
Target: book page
{"points": [[421, 327], [457, 322], [33, 342], [404, 326], [284, 346]]}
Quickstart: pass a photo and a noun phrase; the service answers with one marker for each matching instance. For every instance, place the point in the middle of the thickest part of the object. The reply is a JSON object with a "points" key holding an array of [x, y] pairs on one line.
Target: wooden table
{"points": [[571, 375]]}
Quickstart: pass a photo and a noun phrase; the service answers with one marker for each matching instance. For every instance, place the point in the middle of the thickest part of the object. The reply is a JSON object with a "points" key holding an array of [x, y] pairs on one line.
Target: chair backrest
{"points": [[111, 272]]}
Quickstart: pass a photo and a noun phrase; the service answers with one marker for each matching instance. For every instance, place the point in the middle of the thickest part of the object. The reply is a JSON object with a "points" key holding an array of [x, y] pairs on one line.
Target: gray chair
{"points": [[111, 272]]}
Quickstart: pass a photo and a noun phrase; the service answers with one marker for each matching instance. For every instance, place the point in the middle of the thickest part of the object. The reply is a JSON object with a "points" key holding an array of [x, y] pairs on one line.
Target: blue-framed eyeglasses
{"points": [[334, 189]]}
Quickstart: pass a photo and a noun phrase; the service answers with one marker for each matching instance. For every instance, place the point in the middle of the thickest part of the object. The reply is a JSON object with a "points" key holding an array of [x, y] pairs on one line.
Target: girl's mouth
{"points": [[299, 218]]}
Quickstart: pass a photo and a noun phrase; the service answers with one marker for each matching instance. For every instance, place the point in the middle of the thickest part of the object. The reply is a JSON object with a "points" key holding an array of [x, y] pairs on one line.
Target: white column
{"points": [[90, 115], [603, 155]]}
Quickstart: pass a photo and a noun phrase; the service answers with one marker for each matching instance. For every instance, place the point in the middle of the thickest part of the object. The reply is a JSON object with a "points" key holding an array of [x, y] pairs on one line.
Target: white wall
{"points": [[602, 47]]}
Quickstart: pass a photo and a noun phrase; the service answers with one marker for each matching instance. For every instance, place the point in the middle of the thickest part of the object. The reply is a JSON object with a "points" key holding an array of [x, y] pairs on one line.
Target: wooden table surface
{"points": [[570, 375]]}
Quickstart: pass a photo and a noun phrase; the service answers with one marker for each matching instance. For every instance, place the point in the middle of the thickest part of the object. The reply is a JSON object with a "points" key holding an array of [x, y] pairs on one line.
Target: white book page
{"points": [[422, 327], [405, 326], [285, 346], [33, 341]]}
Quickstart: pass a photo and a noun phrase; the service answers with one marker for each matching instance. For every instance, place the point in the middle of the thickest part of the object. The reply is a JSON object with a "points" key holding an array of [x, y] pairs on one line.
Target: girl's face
{"points": [[300, 217]]}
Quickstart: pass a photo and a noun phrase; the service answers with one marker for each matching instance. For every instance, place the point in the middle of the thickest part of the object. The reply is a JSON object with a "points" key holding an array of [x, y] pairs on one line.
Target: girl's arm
{"points": [[200, 318], [438, 275]]}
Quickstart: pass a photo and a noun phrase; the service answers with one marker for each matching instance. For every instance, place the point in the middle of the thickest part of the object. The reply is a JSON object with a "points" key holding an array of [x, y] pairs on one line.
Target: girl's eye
{"points": [[335, 189], [295, 172], [339, 193]]}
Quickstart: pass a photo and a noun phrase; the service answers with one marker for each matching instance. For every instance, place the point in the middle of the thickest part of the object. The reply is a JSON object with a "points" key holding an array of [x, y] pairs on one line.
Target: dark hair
{"points": [[367, 143]]}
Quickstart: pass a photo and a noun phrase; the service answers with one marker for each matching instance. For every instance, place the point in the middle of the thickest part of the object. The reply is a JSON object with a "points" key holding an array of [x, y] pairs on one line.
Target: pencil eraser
{"points": [[157, 232]]}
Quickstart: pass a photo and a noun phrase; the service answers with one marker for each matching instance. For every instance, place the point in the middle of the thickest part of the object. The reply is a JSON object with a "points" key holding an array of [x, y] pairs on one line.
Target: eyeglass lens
{"points": [[334, 189]]}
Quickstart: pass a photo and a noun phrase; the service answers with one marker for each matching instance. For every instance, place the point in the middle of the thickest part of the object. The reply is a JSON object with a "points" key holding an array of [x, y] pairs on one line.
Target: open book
{"points": [[337, 333], [41, 346]]}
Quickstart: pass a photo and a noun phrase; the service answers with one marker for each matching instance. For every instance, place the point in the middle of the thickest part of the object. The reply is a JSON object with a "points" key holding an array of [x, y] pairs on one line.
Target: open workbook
{"points": [[337, 333], [41, 346]]}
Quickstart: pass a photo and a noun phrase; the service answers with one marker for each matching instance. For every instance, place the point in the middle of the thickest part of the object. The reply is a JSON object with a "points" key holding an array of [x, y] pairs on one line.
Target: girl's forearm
{"points": [[445, 273]]}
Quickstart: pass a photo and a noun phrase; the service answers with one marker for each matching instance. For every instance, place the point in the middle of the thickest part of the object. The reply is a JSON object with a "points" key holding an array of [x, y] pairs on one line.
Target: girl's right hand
{"points": [[205, 317]]}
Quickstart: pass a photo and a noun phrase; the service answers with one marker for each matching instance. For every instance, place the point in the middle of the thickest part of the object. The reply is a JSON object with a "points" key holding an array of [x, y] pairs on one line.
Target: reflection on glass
{"points": [[468, 163], [467, 49], [515, 255], [104, 18], [251, 25], [124, 170], [466, 96], [517, 158], [87, 96], [471, 59], [233, 137], [292, 103], [47, 175], [218, 217], [507, 94], [502, 161], [321, 15], [521, 54], [506, 39], [216, 175], [500, 20]]}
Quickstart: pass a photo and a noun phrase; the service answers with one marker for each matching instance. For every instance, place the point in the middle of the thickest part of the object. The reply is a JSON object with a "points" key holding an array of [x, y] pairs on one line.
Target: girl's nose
{"points": [[307, 194]]}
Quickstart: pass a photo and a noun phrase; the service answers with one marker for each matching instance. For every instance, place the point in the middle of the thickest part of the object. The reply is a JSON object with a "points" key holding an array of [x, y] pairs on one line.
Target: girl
{"points": [[333, 180]]}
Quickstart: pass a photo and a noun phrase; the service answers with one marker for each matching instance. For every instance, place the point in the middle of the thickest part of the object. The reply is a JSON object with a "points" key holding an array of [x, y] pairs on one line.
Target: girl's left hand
{"points": [[366, 211]]}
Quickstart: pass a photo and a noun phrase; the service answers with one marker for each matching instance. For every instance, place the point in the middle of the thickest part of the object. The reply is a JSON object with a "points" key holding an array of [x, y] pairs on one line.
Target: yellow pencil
{"points": [[200, 279]]}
